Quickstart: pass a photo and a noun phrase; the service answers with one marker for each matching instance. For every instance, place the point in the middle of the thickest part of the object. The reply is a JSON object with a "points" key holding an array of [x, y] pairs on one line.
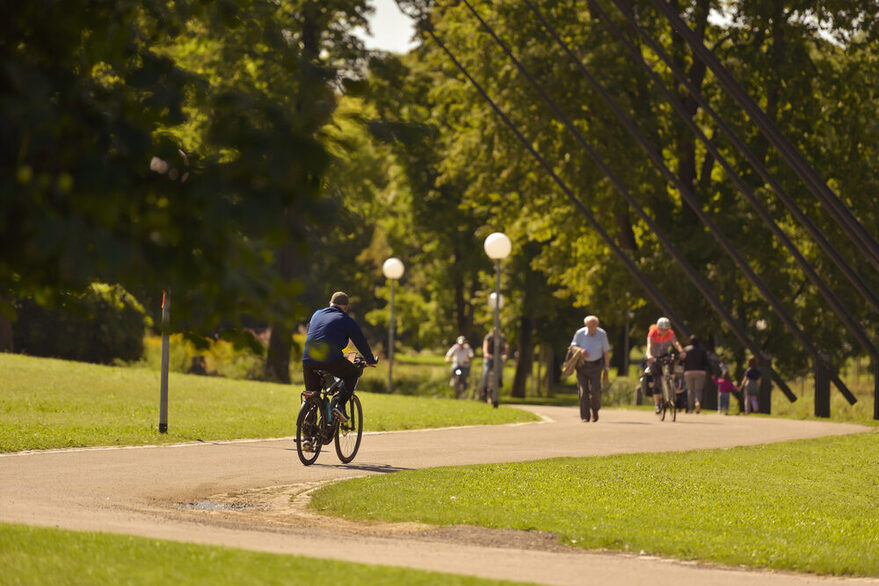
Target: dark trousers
{"points": [[342, 369], [589, 387]]}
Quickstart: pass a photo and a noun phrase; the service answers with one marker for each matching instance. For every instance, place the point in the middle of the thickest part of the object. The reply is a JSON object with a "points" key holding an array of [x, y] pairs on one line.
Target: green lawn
{"points": [[809, 506], [48, 403], [35, 556]]}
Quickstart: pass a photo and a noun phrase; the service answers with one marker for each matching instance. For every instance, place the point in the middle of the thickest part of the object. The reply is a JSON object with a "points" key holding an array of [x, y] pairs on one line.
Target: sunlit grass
{"points": [[47, 403], [37, 556], [809, 505]]}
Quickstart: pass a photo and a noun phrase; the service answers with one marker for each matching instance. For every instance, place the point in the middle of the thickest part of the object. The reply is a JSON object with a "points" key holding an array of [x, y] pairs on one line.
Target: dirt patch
{"points": [[285, 507]]}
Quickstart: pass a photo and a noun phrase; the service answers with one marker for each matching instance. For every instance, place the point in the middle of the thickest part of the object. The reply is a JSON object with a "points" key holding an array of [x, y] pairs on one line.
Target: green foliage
{"points": [[168, 146], [103, 324], [808, 506], [37, 556], [447, 138], [220, 357], [57, 404]]}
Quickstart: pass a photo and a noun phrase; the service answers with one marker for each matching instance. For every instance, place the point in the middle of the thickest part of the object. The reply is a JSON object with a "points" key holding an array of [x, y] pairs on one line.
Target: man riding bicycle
{"points": [[461, 355], [329, 330], [660, 338]]}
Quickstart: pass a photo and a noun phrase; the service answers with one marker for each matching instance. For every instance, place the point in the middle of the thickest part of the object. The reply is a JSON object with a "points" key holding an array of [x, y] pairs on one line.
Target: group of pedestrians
{"points": [[589, 356]]}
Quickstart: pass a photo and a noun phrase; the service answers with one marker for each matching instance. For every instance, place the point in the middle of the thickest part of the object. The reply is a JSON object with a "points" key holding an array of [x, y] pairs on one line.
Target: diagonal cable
{"points": [[688, 197], [807, 174], [690, 272], [866, 292], [761, 210]]}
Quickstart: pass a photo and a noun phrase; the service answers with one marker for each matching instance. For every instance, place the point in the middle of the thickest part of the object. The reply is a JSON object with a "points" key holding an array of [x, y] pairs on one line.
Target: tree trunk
{"points": [[277, 366], [618, 358], [526, 349], [549, 363], [5, 333]]}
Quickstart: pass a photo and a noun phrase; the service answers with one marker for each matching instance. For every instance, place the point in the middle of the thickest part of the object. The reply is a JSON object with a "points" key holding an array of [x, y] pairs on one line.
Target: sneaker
{"points": [[307, 446], [698, 407], [337, 413], [657, 409], [595, 416]]}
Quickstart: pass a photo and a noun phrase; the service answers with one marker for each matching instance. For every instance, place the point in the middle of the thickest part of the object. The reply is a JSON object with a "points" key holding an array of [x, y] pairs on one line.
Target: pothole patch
{"points": [[214, 506]]}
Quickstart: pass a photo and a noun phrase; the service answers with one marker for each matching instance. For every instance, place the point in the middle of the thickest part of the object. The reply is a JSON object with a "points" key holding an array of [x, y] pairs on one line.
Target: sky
{"points": [[391, 29]]}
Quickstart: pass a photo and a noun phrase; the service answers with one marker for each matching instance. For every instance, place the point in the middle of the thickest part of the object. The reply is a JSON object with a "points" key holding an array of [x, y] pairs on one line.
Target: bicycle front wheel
{"points": [[348, 434], [308, 432], [667, 393]]}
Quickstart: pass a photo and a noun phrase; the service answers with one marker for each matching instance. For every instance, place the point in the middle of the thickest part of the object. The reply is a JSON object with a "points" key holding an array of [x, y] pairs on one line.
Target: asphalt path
{"points": [[252, 494]]}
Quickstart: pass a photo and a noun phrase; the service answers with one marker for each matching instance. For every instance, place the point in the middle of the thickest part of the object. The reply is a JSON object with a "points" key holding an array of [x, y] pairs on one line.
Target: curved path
{"points": [[251, 494]]}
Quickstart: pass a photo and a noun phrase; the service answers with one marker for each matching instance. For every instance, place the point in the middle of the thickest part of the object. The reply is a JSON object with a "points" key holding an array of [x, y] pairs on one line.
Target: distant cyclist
{"points": [[660, 339], [329, 330], [461, 355]]}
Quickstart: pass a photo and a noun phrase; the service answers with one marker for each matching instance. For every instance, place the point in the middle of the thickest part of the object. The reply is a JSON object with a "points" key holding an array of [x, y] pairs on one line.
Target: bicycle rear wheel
{"points": [[348, 435], [308, 425]]}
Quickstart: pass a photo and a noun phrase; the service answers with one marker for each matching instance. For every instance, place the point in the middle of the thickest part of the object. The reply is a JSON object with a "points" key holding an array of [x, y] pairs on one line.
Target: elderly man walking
{"points": [[593, 346]]}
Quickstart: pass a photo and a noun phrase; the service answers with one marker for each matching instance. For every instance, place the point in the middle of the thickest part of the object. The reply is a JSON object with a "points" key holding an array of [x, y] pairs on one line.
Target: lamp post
{"points": [[393, 270], [163, 381], [497, 247]]}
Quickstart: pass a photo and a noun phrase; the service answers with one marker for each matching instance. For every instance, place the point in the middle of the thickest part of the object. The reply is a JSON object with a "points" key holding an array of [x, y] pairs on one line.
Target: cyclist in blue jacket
{"points": [[329, 330]]}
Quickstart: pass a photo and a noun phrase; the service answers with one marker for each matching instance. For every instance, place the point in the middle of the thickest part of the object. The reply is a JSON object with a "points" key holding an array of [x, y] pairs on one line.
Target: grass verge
{"points": [[809, 506], [36, 556], [47, 403]]}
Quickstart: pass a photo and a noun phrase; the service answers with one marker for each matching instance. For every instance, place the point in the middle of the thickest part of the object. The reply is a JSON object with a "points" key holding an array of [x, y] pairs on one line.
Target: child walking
{"points": [[724, 388]]}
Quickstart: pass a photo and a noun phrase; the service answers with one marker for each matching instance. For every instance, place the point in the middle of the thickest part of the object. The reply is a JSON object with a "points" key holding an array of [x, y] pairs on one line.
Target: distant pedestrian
{"points": [[750, 386], [595, 351], [696, 367], [488, 364]]}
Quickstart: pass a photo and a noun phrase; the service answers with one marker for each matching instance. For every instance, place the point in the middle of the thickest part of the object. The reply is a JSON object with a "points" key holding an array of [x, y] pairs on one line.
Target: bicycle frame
{"points": [[316, 426]]}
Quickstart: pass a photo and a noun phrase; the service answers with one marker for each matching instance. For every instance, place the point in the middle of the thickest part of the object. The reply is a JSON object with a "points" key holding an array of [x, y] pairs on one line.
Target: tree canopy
{"points": [[253, 157]]}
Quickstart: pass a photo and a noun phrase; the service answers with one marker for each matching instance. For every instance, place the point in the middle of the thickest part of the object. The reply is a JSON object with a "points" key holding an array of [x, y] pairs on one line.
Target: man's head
{"points": [[340, 300], [663, 324], [591, 323], [461, 340]]}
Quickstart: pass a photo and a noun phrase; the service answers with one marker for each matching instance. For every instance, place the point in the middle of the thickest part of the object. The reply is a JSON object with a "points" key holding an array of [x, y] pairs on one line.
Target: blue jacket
{"points": [[329, 330]]}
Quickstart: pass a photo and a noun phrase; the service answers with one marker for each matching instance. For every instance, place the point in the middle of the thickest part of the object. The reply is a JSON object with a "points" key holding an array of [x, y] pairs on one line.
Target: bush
{"points": [[101, 325], [218, 358]]}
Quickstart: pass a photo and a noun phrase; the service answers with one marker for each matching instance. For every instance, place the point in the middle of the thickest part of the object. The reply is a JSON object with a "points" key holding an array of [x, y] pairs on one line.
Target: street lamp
{"points": [[497, 246], [393, 270], [630, 315]]}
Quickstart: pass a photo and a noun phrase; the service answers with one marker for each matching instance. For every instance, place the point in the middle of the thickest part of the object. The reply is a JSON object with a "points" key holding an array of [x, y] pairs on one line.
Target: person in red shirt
{"points": [[660, 338]]}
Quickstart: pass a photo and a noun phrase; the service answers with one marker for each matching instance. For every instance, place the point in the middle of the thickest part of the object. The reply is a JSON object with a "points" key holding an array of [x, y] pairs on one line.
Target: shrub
{"points": [[103, 324]]}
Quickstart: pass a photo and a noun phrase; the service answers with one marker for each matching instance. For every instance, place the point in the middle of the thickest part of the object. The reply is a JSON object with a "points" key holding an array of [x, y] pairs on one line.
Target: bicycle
{"points": [[316, 426], [667, 387]]}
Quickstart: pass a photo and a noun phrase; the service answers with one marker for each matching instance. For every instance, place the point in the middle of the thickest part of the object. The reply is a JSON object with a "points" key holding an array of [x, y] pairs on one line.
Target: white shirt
{"points": [[596, 344], [461, 355]]}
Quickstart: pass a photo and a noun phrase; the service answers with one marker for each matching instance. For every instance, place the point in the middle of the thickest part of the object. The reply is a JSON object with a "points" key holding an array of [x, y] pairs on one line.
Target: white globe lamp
{"points": [[393, 268], [495, 300], [497, 246]]}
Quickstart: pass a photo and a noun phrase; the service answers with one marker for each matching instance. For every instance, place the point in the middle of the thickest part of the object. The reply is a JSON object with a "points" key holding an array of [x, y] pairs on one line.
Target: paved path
{"points": [[239, 494]]}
